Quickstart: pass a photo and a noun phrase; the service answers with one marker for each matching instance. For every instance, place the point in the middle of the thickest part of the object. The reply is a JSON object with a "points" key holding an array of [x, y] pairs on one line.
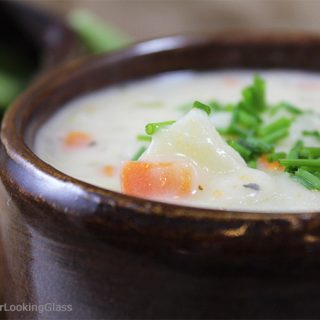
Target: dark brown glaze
{"points": [[41, 37], [115, 256]]}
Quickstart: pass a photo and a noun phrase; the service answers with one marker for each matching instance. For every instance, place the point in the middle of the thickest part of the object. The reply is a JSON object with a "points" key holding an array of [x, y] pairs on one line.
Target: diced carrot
{"points": [[108, 170], [156, 179], [274, 165], [77, 139]]}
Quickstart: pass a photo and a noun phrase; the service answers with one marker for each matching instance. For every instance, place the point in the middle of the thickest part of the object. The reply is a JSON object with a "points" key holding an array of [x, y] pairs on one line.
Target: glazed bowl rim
{"points": [[17, 149]]}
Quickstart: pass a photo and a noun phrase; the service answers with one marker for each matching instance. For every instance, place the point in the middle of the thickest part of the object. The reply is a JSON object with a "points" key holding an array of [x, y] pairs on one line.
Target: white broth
{"points": [[93, 137]]}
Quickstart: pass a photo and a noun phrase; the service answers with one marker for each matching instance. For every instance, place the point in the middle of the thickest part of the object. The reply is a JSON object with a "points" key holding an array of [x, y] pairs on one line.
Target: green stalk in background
{"points": [[96, 35], [10, 87]]}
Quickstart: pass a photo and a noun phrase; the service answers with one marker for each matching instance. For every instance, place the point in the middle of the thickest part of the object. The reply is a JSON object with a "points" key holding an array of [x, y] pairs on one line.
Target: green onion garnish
{"points": [[316, 173], [276, 156], [256, 145], [295, 150], [315, 134], [244, 152], [276, 135], [285, 106], [202, 106], [312, 180], [247, 119], [237, 130], [253, 97], [229, 107], [312, 163], [215, 106], [274, 126], [309, 152], [223, 131], [248, 134], [139, 153], [151, 128], [252, 164], [302, 181], [144, 138]]}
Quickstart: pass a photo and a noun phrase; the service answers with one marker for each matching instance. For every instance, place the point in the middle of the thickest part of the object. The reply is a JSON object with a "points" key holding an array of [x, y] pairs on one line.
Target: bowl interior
{"points": [[135, 220], [224, 51]]}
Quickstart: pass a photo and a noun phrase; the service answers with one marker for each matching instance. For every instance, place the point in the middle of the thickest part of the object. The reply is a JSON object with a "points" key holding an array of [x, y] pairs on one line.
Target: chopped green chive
{"points": [[223, 131], [202, 106], [316, 173], [309, 152], [229, 107], [252, 138], [144, 138], [276, 156], [295, 150], [285, 106], [215, 106], [312, 180], [252, 164], [139, 153], [151, 128], [237, 130], [276, 135], [244, 152], [302, 181], [314, 133], [274, 126], [312, 163], [256, 145], [248, 120], [253, 97]]}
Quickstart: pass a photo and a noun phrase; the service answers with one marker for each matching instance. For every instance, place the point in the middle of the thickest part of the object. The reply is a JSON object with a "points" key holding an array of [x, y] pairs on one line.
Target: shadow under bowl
{"points": [[113, 256]]}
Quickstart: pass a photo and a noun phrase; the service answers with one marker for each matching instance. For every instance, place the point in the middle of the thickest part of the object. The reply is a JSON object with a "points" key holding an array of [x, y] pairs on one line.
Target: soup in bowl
{"points": [[248, 146], [168, 167]]}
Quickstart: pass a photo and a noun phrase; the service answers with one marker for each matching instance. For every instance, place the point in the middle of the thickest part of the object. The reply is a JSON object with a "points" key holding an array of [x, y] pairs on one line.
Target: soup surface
{"points": [[231, 158]]}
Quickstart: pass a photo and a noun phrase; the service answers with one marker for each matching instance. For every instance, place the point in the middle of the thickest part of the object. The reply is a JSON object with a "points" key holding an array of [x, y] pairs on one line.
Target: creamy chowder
{"points": [[257, 148]]}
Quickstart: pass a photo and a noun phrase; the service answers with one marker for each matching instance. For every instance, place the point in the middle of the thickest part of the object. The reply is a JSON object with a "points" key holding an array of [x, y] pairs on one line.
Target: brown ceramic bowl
{"points": [[41, 39], [114, 256]]}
